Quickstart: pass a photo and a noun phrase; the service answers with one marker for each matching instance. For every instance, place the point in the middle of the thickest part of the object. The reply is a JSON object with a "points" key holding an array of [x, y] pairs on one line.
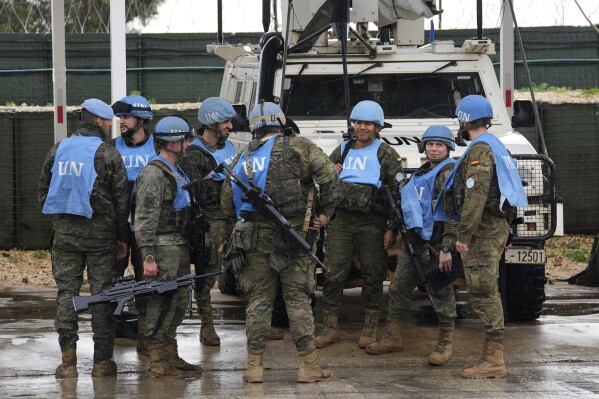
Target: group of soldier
{"points": [[111, 201]]}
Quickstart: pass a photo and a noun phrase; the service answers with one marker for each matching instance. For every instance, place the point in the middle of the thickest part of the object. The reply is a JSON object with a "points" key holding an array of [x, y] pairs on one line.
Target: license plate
{"points": [[524, 255]]}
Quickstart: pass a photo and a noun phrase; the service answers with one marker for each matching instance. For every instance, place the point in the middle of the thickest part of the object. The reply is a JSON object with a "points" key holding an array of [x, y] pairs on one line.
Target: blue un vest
{"points": [[182, 200], [510, 184], [259, 160], [73, 177], [416, 201], [362, 165], [135, 158], [225, 154]]}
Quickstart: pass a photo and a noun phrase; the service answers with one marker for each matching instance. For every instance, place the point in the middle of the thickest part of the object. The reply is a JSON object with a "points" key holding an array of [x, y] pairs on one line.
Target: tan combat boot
{"points": [[160, 362], [309, 370], [391, 341], [371, 321], [68, 367], [254, 371], [275, 333], [142, 346], [208, 335], [330, 332], [104, 368], [179, 363], [491, 365], [444, 348]]}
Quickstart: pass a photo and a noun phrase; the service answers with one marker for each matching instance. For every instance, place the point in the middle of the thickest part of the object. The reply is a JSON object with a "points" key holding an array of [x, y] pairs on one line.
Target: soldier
{"points": [[285, 168], [83, 187], [363, 225], [159, 223], [481, 192], [418, 197], [207, 151], [136, 146]]}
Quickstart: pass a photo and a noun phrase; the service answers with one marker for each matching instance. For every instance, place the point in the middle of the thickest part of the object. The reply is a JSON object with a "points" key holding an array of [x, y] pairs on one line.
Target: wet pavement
{"points": [[556, 356]]}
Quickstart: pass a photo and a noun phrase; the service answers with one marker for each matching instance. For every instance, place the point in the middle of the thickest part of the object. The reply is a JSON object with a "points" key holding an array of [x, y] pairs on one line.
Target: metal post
{"points": [[118, 55], [506, 57], [59, 71]]}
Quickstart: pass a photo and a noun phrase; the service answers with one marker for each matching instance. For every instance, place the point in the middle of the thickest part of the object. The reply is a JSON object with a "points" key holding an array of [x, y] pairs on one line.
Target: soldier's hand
{"points": [[339, 167], [461, 247], [150, 269], [121, 251], [389, 239], [318, 222], [445, 261], [427, 251]]}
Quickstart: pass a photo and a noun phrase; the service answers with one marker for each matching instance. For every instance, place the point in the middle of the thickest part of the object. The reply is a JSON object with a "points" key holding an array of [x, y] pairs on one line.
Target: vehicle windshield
{"points": [[402, 96]]}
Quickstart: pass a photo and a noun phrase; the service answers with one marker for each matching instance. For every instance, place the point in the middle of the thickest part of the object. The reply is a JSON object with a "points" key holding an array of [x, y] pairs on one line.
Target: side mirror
{"points": [[523, 114], [240, 120]]}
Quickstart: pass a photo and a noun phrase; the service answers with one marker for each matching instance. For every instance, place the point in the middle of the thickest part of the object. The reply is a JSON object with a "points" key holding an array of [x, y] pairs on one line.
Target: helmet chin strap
{"points": [[177, 154]]}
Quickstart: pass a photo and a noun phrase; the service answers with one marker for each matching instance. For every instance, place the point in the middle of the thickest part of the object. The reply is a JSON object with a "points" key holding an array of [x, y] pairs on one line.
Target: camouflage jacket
{"points": [[357, 197], [196, 164], [480, 204], [156, 221], [109, 198], [295, 164]]}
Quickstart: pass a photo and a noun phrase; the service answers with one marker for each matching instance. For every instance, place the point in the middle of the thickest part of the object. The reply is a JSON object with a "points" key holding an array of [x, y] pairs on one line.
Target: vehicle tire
{"points": [[226, 283], [525, 290]]}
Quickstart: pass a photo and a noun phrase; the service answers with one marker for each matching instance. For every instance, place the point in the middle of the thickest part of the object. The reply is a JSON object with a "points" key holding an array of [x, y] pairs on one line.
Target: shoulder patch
{"points": [[470, 182], [475, 162]]}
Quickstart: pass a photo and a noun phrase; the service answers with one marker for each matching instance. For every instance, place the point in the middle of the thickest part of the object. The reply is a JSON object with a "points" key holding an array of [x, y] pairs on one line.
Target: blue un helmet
{"points": [[136, 106], [215, 110], [442, 134], [266, 114], [173, 128], [475, 110], [368, 111]]}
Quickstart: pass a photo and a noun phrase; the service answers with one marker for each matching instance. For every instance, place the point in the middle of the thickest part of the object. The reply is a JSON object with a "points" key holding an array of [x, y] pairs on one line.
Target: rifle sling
{"points": [[166, 170], [309, 208]]}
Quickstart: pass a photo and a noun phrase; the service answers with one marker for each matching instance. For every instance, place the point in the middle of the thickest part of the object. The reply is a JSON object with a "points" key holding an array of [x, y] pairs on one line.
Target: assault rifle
{"points": [[414, 258], [126, 289], [262, 202], [196, 229]]}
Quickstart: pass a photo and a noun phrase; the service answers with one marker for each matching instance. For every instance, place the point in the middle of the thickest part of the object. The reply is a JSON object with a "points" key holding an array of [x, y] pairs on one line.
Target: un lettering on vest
{"points": [[257, 164], [355, 163], [509, 162], [230, 159], [135, 161], [70, 168], [419, 192]]}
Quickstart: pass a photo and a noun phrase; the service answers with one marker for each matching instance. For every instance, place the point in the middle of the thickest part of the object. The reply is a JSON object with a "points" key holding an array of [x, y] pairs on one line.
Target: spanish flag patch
{"points": [[398, 160], [475, 162]]}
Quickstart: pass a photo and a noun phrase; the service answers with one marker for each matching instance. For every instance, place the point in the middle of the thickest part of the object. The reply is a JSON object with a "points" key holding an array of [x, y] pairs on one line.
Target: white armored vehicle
{"points": [[417, 84]]}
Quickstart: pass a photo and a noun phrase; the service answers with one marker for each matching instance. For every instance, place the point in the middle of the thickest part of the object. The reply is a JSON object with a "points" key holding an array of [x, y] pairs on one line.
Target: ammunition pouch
{"points": [[453, 200], [357, 197], [244, 235]]}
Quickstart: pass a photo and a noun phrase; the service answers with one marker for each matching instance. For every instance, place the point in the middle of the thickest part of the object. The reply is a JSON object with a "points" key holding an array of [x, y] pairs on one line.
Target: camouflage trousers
{"points": [[481, 270], [361, 234], [134, 253], [275, 258], [220, 230], [173, 262], [70, 256], [406, 279]]}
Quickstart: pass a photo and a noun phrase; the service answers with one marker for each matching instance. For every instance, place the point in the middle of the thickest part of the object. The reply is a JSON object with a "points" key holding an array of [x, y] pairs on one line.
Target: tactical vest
{"points": [[170, 220]]}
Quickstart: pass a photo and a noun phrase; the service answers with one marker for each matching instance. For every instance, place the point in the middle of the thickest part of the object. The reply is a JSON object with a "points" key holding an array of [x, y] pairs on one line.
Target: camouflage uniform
{"points": [[485, 231], [406, 279], [133, 251], [159, 232], [197, 164], [78, 241], [359, 226], [295, 163]]}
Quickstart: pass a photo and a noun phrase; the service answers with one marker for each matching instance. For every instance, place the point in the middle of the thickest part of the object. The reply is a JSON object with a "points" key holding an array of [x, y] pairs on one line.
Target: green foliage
{"points": [[578, 255], [573, 244], [81, 16], [9, 104], [135, 93], [40, 254], [546, 87], [590, 92]]}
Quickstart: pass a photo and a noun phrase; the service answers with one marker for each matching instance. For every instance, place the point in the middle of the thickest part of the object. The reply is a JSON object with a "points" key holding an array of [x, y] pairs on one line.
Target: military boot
{"points": [[254, 371], [371, 321], [179, 363], [330, 332], [309, 370], [142, 346], [160, 362], [491, 365], [391, 341], [104, 368], [444, 348], [68, 367], [275, 333], [208, 335]]}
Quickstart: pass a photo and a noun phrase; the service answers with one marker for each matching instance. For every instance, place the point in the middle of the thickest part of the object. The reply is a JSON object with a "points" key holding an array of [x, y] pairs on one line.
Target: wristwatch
{"points": [[149, 258], [445, 249]]}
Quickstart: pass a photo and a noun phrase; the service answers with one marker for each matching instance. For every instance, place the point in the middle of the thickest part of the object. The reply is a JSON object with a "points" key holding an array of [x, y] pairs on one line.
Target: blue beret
{"points": [[98, 108]]}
